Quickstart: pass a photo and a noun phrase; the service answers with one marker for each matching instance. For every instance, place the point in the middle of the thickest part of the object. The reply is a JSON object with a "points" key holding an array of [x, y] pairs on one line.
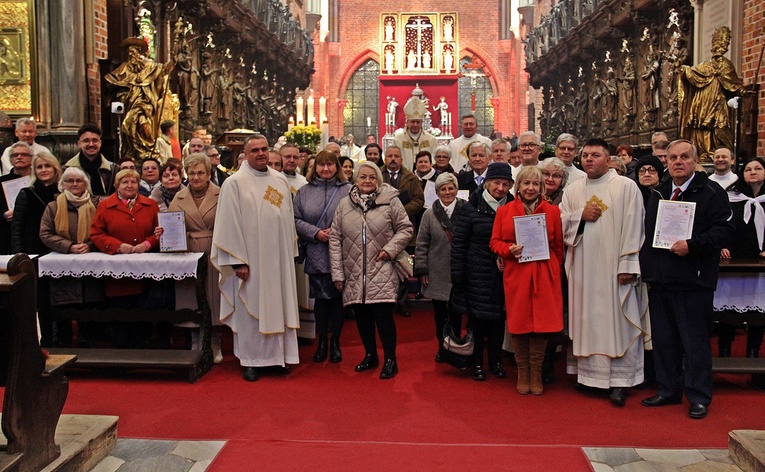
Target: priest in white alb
{"points": [[254, 246], [413, 139], [603, 228]]}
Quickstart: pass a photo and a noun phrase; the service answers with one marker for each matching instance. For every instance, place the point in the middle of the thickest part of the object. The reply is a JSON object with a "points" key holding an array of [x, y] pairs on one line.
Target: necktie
{"points": [[394, 179], [676, 194], [479, 180]]}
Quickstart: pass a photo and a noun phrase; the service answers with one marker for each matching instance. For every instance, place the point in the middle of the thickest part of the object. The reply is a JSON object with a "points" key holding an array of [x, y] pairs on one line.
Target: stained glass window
{"points": [[484, 113], [363, 95]]}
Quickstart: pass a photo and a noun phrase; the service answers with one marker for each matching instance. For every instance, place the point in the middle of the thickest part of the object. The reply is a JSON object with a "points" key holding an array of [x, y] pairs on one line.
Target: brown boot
{"points": [[521, 345], [537, 346]]}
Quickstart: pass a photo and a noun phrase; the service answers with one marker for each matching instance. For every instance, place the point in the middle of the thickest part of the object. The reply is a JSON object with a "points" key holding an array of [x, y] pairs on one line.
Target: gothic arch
{"points": [[361, 58], [469, 52]]}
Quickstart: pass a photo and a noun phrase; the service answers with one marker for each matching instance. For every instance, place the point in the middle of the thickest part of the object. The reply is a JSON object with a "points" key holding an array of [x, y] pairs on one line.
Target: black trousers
{"points": [[326, 313], [380, 316], [681, 327], [488, 333]]}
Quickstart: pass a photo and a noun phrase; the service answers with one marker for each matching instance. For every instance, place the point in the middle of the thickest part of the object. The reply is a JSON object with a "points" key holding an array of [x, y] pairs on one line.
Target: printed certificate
{"points": [[173, 238], [12, 188], [674, 222], [430, 194], [531, 233]]}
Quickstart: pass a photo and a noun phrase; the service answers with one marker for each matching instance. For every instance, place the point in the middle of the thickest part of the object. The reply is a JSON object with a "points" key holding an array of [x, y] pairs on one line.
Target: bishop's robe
{"points": [[607, 321], [410, 146], [255, 225]]}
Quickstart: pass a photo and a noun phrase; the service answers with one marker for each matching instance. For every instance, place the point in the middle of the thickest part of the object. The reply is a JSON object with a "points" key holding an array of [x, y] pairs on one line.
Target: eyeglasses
{"points": [[90, 141], [555, 176], [217, 154], [20, 154], [567, 149], [528, 145], [647, 170], [73, 181], [197, 174]]}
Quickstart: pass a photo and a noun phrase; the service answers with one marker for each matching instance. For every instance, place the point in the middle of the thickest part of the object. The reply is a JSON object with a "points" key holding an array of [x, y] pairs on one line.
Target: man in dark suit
{"points": [[479, 155], [683, 279], [218, 176]]}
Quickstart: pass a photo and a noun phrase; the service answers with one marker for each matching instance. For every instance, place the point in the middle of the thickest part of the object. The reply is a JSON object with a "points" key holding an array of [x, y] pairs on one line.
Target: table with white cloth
{"points": [[188, 270], [740, 298]]}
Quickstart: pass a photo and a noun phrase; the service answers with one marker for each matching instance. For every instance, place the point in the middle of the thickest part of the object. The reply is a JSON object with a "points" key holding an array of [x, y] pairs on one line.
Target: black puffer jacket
{"points": [[478, 289], [25, 227], [712, 229]]}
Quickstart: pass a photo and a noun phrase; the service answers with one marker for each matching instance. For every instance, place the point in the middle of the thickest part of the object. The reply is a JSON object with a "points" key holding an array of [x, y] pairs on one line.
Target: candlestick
{"points": [[310, 119], [300, 110], [290, 123], [322, 109], [369, 122]]}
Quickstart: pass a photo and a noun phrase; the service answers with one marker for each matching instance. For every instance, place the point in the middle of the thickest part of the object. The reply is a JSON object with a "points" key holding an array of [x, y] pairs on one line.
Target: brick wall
{"points": [[100, 52], [478, 33], [753, 38]]}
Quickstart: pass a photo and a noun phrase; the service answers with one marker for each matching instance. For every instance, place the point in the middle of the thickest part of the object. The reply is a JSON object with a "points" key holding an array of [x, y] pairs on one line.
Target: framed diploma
{"points": [[674, 222], [173, 238], [531, 233], [11, 189]]}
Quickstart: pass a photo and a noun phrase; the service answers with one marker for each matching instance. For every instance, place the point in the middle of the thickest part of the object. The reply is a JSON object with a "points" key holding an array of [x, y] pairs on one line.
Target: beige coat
{"points": [[388, 228], [199, 232]]}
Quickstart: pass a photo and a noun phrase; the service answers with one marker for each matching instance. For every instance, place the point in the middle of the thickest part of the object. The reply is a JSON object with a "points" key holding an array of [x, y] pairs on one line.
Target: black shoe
{"points": [[478, 373], [618, 396], [497, 371], [659, 400], [697, 411], [438, 357], [403, 311], [335, 354], [369, 362], [321, 350], [389, 370], [250, 374]]}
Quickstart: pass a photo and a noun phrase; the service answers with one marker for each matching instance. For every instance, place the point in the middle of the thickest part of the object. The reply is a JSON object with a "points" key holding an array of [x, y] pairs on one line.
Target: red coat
{"points": [[533, 297], [113, 224]]}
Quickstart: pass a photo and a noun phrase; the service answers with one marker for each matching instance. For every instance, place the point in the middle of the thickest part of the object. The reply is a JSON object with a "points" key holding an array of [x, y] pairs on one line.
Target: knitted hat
{"points": [[499, 170], [652, 161]]}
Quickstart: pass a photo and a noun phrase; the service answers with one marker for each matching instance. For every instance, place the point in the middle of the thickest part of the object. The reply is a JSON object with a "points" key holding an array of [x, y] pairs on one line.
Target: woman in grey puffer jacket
{"points": [[315, 205], [369, 230]]}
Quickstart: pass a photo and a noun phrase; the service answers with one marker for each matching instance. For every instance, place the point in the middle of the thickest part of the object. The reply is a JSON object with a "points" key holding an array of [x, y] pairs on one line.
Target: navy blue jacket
{"points": [[478, 288], [712, 229]]}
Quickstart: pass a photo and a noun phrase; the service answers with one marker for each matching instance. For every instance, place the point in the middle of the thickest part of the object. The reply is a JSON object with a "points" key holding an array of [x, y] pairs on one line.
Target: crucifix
{"points": [[472, 72], [418, 26]]}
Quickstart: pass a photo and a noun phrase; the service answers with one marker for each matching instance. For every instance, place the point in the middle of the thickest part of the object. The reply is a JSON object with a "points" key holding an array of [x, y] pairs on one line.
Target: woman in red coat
{"points": [[125, 223], [532, 289]]}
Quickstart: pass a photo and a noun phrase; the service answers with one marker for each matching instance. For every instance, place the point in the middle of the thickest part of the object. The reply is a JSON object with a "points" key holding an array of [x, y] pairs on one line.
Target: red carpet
{"points": [[431, 416]]}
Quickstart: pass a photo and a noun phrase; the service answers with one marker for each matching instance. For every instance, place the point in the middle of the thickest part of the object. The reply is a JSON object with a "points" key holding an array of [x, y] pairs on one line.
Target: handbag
{"points": [[457, 352], [404, 265], [302, 243]]}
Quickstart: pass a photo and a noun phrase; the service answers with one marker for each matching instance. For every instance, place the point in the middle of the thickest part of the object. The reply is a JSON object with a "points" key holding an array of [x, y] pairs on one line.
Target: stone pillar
{"points": [[68, 85]]}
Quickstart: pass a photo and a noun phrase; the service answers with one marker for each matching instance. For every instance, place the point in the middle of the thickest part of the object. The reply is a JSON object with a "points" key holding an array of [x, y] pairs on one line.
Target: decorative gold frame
{"points": [[394, 52], [18, 89]]}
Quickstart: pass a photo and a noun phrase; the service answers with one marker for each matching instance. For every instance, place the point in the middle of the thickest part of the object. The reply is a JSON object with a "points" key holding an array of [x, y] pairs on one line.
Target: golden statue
{"points": [[141, 85], [703, 92]]}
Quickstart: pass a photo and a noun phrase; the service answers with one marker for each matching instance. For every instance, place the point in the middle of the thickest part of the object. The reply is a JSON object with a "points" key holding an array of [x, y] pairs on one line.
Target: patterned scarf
{"points": [[85, 212], [364, 200]]}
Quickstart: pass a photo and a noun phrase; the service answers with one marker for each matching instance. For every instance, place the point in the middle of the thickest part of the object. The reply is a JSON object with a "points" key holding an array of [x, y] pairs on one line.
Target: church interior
{"points": [[593, 68]]}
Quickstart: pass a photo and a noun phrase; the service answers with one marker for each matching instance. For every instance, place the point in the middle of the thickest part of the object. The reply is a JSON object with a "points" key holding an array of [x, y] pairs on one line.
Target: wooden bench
{"points": [[194, 363], [35, 387]]}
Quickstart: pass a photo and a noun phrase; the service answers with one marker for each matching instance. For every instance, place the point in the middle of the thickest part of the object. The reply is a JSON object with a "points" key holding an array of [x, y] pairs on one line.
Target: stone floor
{"points": [[660, 460], [141, 455]]}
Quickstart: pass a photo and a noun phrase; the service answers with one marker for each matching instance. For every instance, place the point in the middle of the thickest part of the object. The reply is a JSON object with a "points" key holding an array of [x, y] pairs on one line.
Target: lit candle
{"points": [[322, 109], [290, 123], [300, 109], [309, 116], [369, 122]]}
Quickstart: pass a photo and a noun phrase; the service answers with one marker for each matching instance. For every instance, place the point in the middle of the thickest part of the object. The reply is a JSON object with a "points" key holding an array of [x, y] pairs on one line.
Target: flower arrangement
{"points": [[304, 136], [435, 132]]}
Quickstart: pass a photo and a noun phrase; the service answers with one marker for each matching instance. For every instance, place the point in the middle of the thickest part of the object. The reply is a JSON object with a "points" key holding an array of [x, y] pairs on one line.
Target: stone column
{"points": [[68, 80]]}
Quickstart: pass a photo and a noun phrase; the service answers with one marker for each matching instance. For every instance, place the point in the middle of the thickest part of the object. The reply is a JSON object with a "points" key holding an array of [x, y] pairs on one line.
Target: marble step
{"points": [[747, 449]]}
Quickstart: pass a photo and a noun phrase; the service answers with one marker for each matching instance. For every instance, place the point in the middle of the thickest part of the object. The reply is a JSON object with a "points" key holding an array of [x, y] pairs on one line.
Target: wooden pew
{"points": [[35, 387]]}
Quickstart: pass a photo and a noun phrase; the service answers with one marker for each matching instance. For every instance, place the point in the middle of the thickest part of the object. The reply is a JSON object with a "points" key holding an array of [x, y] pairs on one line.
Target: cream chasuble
{"points": [[458, 150], [255, 225], [607, 321], [411, 146]]}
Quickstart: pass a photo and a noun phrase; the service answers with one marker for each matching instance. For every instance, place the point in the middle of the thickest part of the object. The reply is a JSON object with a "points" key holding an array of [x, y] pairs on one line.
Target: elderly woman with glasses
{"points": [[555, 178], [369, 230], [171, 182], [432, 261]]}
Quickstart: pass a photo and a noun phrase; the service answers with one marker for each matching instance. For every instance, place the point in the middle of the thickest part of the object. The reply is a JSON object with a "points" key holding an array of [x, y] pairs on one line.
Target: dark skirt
{"points": [[321, 286]]}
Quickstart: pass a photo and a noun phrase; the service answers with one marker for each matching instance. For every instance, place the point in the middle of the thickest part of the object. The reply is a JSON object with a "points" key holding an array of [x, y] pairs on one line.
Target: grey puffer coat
{"points": [[309, 203], [357, 237]]}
